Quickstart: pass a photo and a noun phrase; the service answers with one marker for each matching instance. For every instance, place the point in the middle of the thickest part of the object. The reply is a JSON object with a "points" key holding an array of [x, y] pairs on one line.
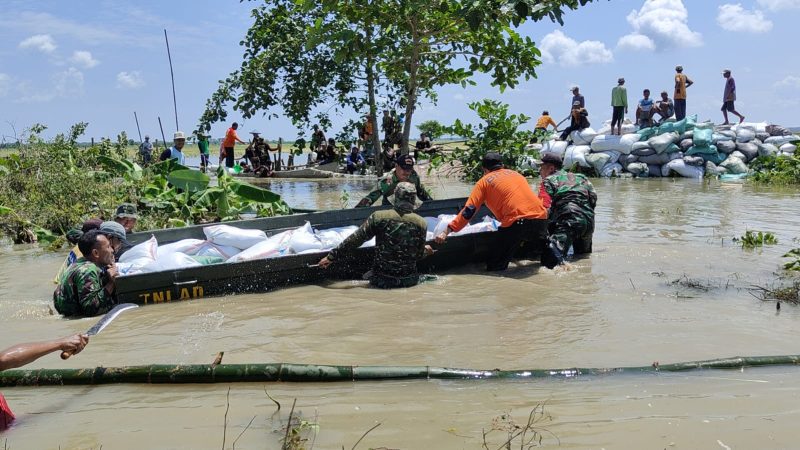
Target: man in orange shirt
{"points": [[507, 194], [682, 82], [230, 141]]}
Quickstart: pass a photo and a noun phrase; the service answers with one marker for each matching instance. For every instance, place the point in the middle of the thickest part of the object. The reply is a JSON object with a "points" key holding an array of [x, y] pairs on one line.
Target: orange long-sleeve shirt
{"points": [[508, 196]]}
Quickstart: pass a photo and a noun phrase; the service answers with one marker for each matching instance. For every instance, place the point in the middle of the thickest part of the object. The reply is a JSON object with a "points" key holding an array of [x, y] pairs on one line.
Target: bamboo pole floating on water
{"points": [[301, 373]]}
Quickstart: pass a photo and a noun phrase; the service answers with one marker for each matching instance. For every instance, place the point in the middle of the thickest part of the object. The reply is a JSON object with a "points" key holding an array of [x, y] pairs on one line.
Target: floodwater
{"points": [[619, 307]]}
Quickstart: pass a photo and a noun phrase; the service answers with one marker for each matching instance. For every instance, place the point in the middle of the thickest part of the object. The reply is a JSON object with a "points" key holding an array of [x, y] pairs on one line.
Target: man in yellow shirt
{"points": [[682, 82]]}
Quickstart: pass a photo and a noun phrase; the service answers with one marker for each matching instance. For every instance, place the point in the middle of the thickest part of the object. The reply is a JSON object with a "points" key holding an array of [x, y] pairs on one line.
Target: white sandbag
{"points": [[606, 128], [717, 137], [611, 170], [637, 168], [272, 247], [598, 160], [235, 237], [714, 169], [756, 127], [171, 261], [605, 142], [303, 238], [748, 149], [779, 141], [639, 145], [688, 134], [486, 225], [767, 150], [583, 137], [629, 127], [147, 249], [535, 146], [725, 135], [734, 165], [576, 154], [627, 141], [214, 250], [662, 142], [686, 144], [432, 222], [185, 246], [745, 135], [675, 155], [133, 267], [680, 167], [557, 147], [788, 148], [726, 146]]}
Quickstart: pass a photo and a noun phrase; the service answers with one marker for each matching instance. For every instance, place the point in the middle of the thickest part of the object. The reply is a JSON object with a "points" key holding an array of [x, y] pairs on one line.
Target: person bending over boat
{"points": [[403, 172], [87, 288], [400, 241], [22, 354], [117, 237], [507, 194], [571, 212]]}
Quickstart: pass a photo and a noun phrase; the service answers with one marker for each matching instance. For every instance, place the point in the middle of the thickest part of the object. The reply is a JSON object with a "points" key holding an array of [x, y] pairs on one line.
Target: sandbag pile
{"points": [[225, 243], [684, 147]]}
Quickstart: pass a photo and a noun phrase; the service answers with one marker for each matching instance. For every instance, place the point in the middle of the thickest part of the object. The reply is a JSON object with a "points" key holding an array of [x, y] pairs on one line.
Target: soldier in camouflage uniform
{"points": [[400, 241], [571, 220], [403, 172], [86, 288]]}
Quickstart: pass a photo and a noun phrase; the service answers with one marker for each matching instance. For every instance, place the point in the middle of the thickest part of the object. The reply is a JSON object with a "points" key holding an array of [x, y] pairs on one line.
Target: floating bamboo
{"points": [[300, 373]]}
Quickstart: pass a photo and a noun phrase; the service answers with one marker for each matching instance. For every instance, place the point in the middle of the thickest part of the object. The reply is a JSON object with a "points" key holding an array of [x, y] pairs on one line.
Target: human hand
{"points": [[429, 250], [72, 345], [441, 237], [324, 262], [112, 271]]}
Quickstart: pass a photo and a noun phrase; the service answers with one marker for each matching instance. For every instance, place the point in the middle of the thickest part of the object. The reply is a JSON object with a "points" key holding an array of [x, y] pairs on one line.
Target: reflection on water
{"points": [[620, 307]]}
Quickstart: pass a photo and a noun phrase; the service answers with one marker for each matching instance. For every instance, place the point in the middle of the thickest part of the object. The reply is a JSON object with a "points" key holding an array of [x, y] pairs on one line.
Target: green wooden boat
{"points": [[268, 274]]}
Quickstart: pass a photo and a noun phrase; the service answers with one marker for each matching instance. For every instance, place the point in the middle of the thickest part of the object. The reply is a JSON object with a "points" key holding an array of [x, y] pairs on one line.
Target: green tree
{"points": [[432, 128], [499, 132], [303, 54]]}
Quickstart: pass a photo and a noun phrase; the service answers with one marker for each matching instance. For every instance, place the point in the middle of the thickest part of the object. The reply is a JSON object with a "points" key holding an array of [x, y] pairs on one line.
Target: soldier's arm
{"points": [[373, 196], [94, 295], [364, 233], [422, 192]]}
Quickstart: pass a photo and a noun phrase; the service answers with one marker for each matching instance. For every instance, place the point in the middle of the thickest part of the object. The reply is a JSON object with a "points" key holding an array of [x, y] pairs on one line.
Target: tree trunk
{"points": [[411, 89], [373, 108]]}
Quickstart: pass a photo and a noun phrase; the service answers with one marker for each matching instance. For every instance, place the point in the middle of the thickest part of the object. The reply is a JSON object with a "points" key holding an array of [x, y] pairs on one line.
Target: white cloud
{"points": [[83, 58], [635, 42], [778, 5], [5, 84], [559, 48], [130, 80], [458, 96], [42, 42], [665, 23], [790, 81], [66, 84], [735, 18]]}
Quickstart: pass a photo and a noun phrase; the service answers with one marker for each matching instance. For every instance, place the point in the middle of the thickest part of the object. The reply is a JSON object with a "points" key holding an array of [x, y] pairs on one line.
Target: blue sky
{"points": [[98, 61]]}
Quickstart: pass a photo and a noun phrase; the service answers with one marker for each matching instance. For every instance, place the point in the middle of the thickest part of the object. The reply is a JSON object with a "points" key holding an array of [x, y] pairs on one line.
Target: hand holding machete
{"points": [[97, 328]]}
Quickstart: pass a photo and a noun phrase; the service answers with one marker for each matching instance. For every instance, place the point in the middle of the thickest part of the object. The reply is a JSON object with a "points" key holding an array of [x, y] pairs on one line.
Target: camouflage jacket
{"points": [[400, 243], [81, 291], [386, 187], [571, 194]]}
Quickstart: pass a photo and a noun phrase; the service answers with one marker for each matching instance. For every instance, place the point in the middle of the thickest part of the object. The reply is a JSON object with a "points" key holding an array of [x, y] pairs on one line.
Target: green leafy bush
{"points": [[777, 170]]}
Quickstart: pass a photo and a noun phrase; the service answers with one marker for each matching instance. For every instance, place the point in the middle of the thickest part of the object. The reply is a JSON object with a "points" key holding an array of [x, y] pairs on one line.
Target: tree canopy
{"points": [[309, 59]]}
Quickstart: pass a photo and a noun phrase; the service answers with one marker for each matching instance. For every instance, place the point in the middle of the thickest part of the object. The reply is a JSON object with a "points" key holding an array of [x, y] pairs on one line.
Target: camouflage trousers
{"points": [[572, 231], [387, 282]]}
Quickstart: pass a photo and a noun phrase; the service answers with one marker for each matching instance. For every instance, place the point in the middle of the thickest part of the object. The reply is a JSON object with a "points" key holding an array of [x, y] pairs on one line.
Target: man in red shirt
{"points": [[231, 138], [507, 194], [22, 354]]}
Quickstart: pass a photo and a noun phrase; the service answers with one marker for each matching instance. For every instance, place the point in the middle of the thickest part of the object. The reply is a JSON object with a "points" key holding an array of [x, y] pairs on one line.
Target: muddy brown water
{"points": [[617, 308]]}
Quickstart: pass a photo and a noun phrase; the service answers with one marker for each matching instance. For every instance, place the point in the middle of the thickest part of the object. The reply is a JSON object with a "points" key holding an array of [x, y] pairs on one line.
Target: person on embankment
{"points": [[507, 194], [399, 244]]}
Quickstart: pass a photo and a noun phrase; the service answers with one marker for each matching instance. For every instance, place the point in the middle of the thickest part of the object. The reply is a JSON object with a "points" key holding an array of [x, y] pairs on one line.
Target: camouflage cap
{"points": [[126, 210], [405, 196]]}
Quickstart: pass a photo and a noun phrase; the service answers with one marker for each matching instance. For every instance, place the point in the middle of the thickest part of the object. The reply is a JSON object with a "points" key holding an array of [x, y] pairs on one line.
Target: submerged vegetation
{"points": [[47, 188], [753, 239]]}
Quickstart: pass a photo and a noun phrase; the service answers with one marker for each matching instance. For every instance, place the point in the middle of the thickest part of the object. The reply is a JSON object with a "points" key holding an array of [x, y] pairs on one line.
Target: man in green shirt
{"points": [[87, 287], [619, 102], [399, 244], [403, 171], [202, 144]]}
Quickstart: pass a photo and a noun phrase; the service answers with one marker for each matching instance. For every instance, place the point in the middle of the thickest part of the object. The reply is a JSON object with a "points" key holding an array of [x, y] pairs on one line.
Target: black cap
{"points": [[405, 161], [550, 158], [492, 160]]}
